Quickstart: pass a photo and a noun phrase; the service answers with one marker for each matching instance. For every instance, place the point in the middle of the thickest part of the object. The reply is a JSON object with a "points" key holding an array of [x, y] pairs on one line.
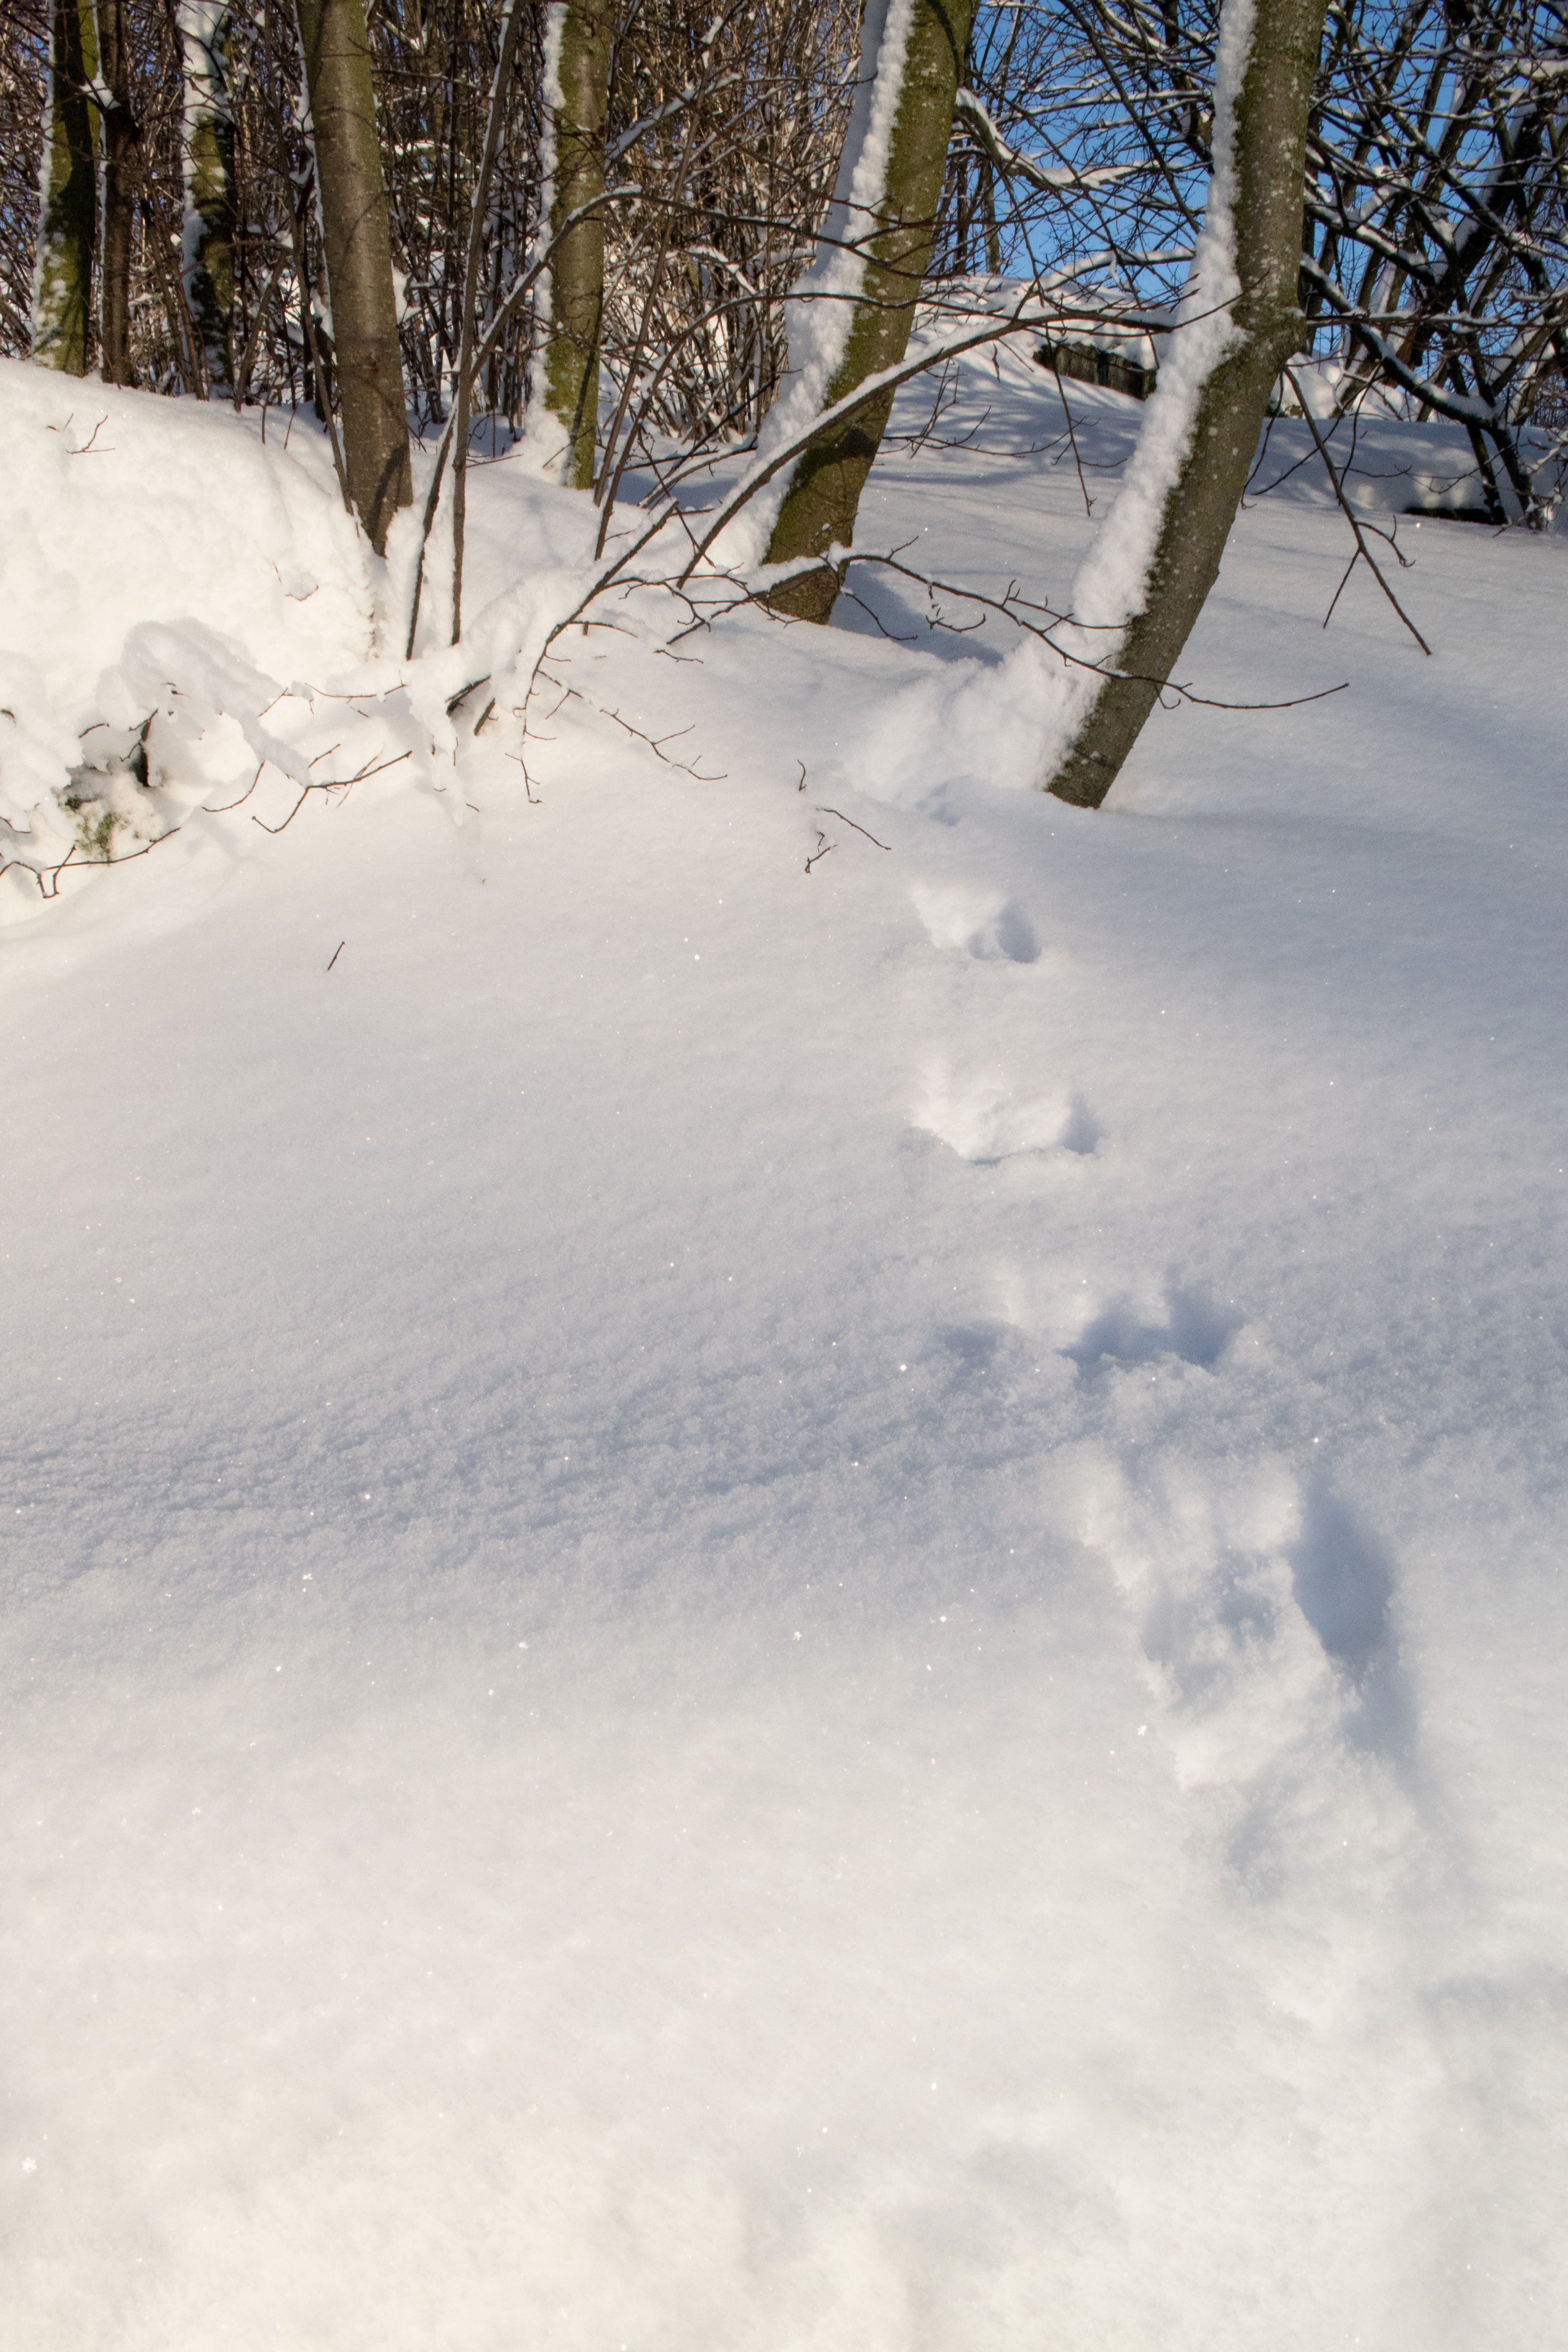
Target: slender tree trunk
{"points": [[1146, 580], [988, 213], [67, 212], [211, 211], [121, 161], [357, 236], [479, 222], [578, 40], [923, 44]]}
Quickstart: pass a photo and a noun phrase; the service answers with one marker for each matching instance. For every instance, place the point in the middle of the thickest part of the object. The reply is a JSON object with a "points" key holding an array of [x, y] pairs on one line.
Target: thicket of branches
{"points": [[729, 189], [1435, 234]]}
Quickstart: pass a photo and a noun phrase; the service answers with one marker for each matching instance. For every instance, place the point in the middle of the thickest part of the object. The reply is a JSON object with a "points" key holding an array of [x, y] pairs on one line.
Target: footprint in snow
{"points": [[1187, 1323], [978, 923], [1343, 1583], [985, 1119], [1266, 1613]]}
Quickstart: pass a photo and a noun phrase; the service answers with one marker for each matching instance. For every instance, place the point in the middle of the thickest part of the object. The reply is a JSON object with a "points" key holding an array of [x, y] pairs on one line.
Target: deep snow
{"points": [[788, 1608]]}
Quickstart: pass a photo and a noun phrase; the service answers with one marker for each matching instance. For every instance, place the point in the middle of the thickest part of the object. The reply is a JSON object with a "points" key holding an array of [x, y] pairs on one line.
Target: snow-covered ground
{"points": [[816, 1610]]}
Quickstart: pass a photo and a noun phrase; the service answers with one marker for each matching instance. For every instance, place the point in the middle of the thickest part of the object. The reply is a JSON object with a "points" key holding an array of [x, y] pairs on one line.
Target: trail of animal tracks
{"points": [[803, 1609]]}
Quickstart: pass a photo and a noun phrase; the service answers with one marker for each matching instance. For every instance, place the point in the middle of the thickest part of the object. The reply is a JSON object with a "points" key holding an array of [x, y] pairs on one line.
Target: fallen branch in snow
{"points": [[823, 810], [88, 449]]}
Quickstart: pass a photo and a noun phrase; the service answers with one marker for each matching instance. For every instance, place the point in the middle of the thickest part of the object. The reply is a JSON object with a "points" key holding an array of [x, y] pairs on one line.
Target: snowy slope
{"points": [[797, 1608]]}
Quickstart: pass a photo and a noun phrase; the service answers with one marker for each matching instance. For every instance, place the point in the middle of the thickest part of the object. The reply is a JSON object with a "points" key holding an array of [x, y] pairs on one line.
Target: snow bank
{"points": [[151, 549]]}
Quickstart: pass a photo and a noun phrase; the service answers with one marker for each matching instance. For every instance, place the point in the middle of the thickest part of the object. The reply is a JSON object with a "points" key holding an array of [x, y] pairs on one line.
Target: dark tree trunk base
{"points": [[810, 596]]}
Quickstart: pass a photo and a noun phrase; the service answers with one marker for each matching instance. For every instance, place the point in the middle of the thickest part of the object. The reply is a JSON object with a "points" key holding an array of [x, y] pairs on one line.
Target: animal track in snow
{"points": [[1083, 1131], [1265, 1614], [976, 923], [1343, 1585], [1195, 1329], [983, 1119]]}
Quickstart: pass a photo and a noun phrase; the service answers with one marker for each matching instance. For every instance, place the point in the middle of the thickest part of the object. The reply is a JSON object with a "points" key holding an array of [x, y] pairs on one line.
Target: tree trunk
{"points": [[68, 222], [357, 237], [211, 211], [577, 77], [890, 214], [121, 159], [1146, 580]]}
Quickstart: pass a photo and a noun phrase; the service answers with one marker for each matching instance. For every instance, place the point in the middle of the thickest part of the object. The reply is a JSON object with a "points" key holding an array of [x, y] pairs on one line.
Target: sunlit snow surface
{"points": [[815, 1611]]}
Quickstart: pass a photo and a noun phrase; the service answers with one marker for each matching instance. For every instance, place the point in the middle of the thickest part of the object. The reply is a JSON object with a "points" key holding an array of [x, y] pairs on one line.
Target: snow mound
{"points": [[167, 572]]}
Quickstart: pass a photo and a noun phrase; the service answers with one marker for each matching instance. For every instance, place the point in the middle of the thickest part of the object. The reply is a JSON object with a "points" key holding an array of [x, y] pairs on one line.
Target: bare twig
{"points": [[850, 820], [1362, 549], [337, 784]]}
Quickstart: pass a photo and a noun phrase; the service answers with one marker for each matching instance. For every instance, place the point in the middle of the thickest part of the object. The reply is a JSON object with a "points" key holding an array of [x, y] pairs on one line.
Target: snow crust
{"points": [[780, 1606]]}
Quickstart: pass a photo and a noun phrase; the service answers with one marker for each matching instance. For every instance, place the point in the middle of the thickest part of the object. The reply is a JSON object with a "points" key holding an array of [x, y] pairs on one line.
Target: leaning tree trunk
{"points": [[1145, 582], [122, 142], [578, 40], [890, 188], [211, 209], [357, 236], [67, 212]]}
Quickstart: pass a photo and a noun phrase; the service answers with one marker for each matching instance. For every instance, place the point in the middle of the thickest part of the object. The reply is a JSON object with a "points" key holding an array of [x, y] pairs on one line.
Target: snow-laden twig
{"points": [[969, 111]]}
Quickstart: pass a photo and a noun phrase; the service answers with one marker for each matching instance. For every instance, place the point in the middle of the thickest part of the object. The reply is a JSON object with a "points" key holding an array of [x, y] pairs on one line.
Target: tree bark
{"points": [[357, 236], [823, 497], [579, 41], [68, 221], [121, 162], [211, 208], [1259, 177]]}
